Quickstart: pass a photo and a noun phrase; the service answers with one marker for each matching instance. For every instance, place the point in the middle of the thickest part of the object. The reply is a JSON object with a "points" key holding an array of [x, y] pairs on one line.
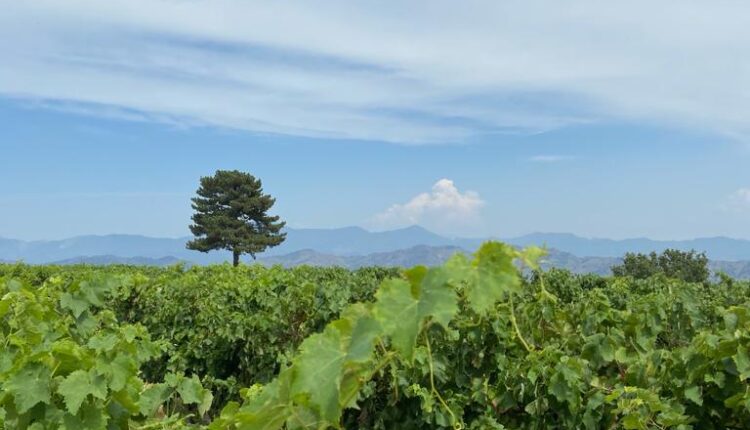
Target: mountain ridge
{"points": [[351, 241], [418, 255]]}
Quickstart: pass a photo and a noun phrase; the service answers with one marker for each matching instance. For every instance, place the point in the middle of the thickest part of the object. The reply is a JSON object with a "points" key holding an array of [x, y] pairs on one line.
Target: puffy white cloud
{"points": [[412, 72], [443, 209]]}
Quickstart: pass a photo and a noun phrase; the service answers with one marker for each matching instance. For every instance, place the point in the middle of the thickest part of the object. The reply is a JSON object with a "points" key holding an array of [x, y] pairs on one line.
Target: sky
{"points": [[495, 118]]}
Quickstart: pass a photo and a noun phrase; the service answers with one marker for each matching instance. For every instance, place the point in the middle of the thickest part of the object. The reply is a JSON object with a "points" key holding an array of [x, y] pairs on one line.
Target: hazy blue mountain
{"points": [[420, 254], [358, 241], [102, 260], [37, 252], [307, 257], [718, 248], [735, 269], [349, 241], [436, 255], [340, 241], [565, 260], [417, 255]]}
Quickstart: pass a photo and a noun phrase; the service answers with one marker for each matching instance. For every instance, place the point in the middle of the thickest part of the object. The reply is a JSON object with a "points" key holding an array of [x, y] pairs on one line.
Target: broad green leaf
{"points": [[29, 387], [206, 401], [74, 303], [495, 276], [103, 342], [267, 410], [318, 372], [95, 290], [402, 311], [325, 359], [742, 360], [118, 370], [531, 256], [633, 422], [191, 390], [88, 419], [362, 332], [153, 397], [129, 332], [694, 395], [77, 386]]}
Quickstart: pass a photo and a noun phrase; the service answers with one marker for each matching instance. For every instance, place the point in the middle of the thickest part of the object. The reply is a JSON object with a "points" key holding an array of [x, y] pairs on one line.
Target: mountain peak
{"points": [[414, 228]]}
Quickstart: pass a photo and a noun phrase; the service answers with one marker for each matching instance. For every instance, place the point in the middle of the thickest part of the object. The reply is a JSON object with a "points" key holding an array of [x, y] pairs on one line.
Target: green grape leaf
{"points": [[74, 303], [103, 342], [95, 290], [153, 397], [266, 410], [531, 256], [742, 361], [694, 395], [191, 390], [77, 386], [318, 371], [633, 422], [129, 332], [29, 387], [206, 401], [495, 276], [363, 331], [89, 419], [118, 370], [402, 308], [326, 358]]}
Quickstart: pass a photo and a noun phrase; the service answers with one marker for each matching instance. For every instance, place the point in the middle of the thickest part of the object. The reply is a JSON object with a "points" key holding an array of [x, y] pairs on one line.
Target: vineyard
{"points": [[490, 342]]}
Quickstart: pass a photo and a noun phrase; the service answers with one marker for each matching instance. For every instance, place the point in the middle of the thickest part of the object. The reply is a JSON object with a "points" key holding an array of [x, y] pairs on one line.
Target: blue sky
{"points": [[501, 118]]}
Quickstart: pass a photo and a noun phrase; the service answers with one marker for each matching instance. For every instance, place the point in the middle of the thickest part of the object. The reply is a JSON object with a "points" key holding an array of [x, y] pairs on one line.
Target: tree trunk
{"points": [[235, 258]]}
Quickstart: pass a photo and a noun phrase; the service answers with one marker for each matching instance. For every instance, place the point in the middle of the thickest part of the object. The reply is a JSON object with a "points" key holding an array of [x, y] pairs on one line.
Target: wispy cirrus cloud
{"points": [[444, 208], [551, 158], [417, 72]]}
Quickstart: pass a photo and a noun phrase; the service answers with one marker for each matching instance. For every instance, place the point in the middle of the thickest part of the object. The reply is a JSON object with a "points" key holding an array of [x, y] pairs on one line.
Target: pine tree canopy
{"points": [[231, 212]]}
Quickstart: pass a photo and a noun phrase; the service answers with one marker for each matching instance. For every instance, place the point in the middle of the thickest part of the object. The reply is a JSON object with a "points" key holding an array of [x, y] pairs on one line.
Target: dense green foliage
{"points": [[231, 212], [232, 326], [67, 364], [467, 345], [687, 266], [235, 327]]}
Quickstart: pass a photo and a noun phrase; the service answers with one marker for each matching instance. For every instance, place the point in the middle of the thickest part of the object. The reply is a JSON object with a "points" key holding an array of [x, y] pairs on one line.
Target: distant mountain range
{"points": [[436, 255], [355, 247], [416, 255], [348, 241], [718, 248], [101, 260]]}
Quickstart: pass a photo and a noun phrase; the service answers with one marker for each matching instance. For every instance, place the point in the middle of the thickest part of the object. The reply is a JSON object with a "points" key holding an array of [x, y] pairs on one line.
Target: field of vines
{"points": [[489, 342]]}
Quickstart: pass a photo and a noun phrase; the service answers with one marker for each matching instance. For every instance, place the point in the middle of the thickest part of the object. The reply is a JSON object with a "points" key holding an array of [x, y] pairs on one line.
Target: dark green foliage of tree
{"points": [[689, 266], [231, 212]]}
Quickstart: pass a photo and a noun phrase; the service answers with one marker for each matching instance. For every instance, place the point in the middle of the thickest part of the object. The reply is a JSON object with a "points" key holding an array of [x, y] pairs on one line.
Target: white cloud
{"points": [[551, 158], [444, 209], [740, 199], [398, 71]]}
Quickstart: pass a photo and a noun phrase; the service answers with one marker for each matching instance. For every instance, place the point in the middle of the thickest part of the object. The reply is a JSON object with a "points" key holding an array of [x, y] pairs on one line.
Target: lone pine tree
{"points": [[231, 212]]}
